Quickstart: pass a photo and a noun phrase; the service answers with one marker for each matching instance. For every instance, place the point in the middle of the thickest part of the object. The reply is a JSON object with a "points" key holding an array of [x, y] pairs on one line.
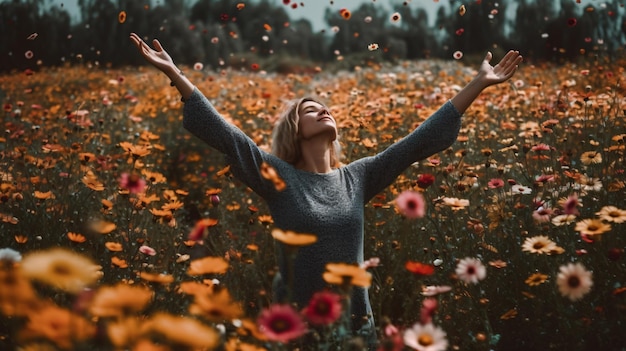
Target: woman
{"points": [[321, 197]]}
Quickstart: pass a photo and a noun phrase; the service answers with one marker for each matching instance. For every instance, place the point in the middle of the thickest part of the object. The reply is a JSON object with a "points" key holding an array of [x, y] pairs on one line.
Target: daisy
{"points": [[411, 204], [425, 337], [592, 227], [471, 270], [521, 189], [563, 219], [612, 214], [574, 281], [324, 308], [281, 323], [590, 183], [540, 244]]}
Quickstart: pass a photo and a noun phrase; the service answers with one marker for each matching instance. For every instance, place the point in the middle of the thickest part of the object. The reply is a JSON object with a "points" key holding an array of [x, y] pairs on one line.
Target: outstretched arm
{"points": [[487, 75], [160, 59]]}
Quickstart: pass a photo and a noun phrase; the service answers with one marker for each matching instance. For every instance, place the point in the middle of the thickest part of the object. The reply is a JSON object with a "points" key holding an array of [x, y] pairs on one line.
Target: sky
{"points": [[313, 10]]}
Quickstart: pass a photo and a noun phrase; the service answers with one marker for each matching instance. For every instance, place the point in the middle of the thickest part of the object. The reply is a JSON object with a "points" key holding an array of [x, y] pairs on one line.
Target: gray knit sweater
{"points": [[330, 205]]}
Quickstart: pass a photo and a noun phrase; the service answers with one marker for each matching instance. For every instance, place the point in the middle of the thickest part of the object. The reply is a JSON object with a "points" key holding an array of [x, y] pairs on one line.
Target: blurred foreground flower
{"points": [[425, 337], [281, 323], [411, 204], [62, 269], [58, 325], [182, 333], [574, 281], [347, 274], [324, 308], [291, 238]]}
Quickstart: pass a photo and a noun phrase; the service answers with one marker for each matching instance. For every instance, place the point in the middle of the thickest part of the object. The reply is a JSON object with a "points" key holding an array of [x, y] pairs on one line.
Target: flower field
{"points": [[120, 230]]}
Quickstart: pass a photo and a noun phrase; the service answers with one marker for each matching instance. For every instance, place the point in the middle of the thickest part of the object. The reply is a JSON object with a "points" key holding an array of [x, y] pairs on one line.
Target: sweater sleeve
{"points": [[245, 158], [436, 134]]}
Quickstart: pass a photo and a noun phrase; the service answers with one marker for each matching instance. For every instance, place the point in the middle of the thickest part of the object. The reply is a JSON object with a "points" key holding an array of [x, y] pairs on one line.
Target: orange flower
{"points": [[217, 306], [268, 172], [76, 237], [102, 226], [114, 247], [119, 300], [58, 325], [592, 227], [347, 274], [292, 238], [43, 196], [119, 262], [208, 265], [157, 277], [183, 333]]}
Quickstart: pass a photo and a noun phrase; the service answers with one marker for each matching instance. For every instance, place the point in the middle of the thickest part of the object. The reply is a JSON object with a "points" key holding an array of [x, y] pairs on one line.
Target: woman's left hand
{"points": [[502, 71]]}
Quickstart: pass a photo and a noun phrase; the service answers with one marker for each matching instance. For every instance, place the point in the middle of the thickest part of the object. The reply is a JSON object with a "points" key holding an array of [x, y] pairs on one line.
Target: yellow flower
{"points": [[216, 306], [62, 269], [590, 157]]}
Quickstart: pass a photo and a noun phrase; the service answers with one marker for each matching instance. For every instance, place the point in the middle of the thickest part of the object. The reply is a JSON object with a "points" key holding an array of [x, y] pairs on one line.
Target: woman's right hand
{"points": [[159, 58]]}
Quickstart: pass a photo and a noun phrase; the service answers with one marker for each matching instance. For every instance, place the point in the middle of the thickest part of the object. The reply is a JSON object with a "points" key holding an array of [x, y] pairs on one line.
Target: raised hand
{"points": [[501, 71], [158, 57]]}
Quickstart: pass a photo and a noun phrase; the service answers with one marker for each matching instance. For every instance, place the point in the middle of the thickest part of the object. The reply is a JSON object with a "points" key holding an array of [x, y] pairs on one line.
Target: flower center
{"points": [[573, 281], [280, 325], [411, 205], [322, 308], [425, 339], [537, 246], [61, 269], [471, 270]]}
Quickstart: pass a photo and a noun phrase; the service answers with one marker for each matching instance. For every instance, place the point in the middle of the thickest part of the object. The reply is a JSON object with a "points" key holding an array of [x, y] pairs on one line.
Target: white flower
{"points": [[425, 337], [433, 290], [574, 281], [520, 189], [10, 255], [471, 270]]}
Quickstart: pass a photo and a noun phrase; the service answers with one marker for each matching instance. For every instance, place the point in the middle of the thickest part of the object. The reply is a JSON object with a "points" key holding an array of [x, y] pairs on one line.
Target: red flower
{"points": [[411, 204], [281, 323], [419, 268], [324, 308], [425, 180]]}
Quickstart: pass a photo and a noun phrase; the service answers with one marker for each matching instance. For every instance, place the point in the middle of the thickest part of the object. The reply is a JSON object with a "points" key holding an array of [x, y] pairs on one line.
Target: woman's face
{"points": [[316, 121]]}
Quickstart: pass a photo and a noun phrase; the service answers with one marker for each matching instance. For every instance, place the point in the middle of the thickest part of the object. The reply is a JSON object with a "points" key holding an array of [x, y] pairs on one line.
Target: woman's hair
{"points": [[285, 143]]}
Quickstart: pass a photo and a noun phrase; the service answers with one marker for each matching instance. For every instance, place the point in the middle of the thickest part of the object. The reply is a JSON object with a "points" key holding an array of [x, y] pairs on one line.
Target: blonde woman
{"points": [[321, 197]]}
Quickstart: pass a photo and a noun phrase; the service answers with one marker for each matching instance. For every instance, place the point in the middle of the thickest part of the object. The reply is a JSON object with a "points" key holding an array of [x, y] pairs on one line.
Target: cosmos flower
{"points": [[570, 204], [592, 227], [134, 183], [433, 290], [411, 204], [292, 238], [62, 269], [425, 337], [612, 214], [470, 270], [591, 157], [455, 203], [495, 183], [574, 281], [281, 323], [539, 244], [324, 308], [216, 306]]}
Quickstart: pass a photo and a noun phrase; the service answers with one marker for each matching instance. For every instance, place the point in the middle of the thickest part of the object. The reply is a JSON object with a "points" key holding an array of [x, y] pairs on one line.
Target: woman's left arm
{"points": [[487, 75]]}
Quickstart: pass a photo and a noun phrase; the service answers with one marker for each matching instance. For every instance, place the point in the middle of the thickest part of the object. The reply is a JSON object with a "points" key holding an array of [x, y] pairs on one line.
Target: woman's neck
{"points": [[315, 158]]}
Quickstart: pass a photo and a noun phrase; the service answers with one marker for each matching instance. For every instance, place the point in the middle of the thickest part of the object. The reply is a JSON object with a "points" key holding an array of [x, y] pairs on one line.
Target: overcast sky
{"points": [[313, 10]]}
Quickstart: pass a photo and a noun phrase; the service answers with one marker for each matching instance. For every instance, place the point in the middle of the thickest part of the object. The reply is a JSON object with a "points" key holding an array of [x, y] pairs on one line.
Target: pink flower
{"points": [[324, 308], [471, 270], [281, 323], [411, 204], [132, 182], [570, 205], [495, 183], [147, 250], [542, 215]]}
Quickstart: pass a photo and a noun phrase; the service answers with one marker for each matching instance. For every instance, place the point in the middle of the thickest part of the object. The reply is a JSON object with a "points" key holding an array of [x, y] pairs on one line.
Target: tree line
{"points": [[233, 33]]}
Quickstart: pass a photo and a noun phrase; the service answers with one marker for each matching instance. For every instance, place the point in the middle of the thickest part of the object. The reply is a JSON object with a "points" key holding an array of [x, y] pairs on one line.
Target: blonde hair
{"points": [[285, 143]]}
